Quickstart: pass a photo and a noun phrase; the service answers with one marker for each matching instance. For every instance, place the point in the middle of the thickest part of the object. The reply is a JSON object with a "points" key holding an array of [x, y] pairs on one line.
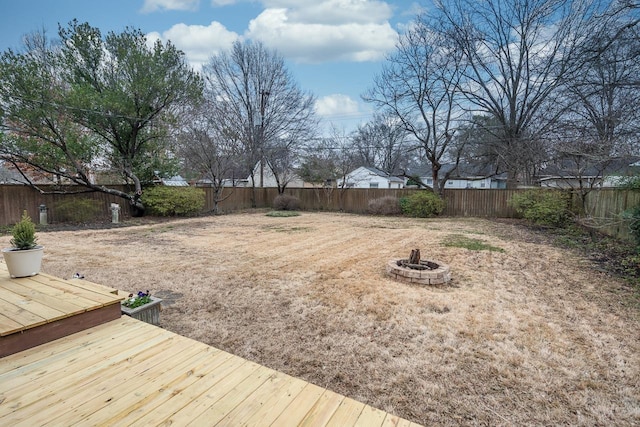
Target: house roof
{"points": [[174, 181], [382, 174], [464, 170], [10, 176], [568, 167]]}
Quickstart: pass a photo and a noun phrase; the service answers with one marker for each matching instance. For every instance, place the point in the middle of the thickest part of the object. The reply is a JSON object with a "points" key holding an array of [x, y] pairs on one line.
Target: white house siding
{"points": [[367, 178], [269, 179], [462, 183]]}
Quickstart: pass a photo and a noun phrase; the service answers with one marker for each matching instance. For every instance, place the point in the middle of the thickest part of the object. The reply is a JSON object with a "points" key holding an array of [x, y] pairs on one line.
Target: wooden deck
{"points": [[38, 309], [127, 372]]}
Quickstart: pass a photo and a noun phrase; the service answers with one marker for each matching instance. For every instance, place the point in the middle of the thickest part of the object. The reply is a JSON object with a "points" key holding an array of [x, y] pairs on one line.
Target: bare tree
{"points": [[419, 87], [282, 158], [383, 144], [517, 53], [210, 150], [251, 87], [326, 163], [602, 121]]}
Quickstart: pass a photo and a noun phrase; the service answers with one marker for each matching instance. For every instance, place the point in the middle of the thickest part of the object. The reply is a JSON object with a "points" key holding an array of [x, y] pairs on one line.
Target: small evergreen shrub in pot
{"points": [[24, 257], [173, 201], [422, 204], [286, 202]]}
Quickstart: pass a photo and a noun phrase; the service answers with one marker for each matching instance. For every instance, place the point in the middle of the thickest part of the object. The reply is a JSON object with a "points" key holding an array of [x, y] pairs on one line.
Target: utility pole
{"points": [[263, 104]]}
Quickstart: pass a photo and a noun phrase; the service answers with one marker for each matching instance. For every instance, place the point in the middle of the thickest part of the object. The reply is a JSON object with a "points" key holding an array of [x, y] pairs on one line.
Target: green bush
{"points": [[282, 214], [633, 215], [173, 201], [543, 207], [77, 210], [387, 205], [422, 204], [286, 202]]}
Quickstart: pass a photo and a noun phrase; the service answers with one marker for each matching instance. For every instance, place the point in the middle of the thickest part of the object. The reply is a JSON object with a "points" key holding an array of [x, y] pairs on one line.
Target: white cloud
{"points": [[309, 31], [153, 5], [337, 106], [333, 12], [301, 35], [198, 42]]}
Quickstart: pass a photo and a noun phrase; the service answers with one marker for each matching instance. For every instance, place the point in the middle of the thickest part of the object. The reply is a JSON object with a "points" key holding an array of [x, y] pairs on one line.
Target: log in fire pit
{"points": [[416, 270]]}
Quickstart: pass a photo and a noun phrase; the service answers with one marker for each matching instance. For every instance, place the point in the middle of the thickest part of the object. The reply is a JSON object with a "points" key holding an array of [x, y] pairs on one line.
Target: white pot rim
{"points": [[12, 249]]}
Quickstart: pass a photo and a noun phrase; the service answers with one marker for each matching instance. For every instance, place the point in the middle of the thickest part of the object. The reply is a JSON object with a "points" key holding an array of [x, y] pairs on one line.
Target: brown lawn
{"points": [[531, 335]]}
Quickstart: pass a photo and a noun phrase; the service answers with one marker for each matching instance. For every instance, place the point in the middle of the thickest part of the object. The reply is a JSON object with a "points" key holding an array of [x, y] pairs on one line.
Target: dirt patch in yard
{"points": [[527, 335]]}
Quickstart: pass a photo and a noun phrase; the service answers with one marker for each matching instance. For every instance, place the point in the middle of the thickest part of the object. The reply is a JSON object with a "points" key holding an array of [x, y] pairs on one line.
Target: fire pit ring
{"points": [[422, 272]]}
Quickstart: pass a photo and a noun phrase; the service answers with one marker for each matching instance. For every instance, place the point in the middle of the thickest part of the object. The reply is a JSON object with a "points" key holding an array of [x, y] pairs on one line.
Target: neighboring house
{"points": [[465, 176], [8, 175], [606, 174], [266, 178], [368, 177]]}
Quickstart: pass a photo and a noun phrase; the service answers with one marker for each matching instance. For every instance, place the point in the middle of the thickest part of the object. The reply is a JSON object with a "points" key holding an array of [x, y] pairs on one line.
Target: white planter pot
{"points": [[23, 263]]}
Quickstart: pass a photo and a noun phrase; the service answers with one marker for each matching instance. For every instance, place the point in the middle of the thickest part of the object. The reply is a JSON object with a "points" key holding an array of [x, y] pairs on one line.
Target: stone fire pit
{"points": [[416, 270]]}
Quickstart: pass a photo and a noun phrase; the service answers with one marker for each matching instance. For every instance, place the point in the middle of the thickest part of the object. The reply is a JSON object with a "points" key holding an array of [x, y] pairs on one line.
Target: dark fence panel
{"points": [[14, 199]]}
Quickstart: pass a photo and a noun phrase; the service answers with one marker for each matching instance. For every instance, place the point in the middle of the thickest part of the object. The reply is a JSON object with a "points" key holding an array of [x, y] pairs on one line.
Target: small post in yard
{"points": [[115, 213], [43, 214]]}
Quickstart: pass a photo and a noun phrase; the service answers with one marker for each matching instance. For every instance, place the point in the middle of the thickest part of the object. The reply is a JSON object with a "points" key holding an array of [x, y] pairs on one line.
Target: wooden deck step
{"points": [[42, 308]]}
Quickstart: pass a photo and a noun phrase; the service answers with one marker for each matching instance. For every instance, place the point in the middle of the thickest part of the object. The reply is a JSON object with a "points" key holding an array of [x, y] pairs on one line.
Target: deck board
{"points": [[127, 372], [347, 413], [323, 410]]}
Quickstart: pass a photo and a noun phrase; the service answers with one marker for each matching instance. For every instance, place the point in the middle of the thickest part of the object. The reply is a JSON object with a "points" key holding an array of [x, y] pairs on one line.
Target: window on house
{"points": [[429, 181], [373, 185]]}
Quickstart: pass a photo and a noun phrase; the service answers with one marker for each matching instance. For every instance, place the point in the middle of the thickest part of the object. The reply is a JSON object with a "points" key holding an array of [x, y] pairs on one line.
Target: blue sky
{"points": [[333, 48]]}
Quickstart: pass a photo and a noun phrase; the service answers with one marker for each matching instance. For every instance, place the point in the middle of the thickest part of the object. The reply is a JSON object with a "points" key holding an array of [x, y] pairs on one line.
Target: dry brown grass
{"points": [[528, 336]]}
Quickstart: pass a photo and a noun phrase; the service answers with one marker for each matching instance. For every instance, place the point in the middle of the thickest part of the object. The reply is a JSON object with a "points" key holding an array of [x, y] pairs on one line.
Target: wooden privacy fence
{"points": [[605, 206], [465, 202], [479, 203]]}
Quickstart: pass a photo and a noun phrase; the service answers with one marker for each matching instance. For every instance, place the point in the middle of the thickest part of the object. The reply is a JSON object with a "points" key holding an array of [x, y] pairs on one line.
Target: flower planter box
{"points": [[149, 313]]}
